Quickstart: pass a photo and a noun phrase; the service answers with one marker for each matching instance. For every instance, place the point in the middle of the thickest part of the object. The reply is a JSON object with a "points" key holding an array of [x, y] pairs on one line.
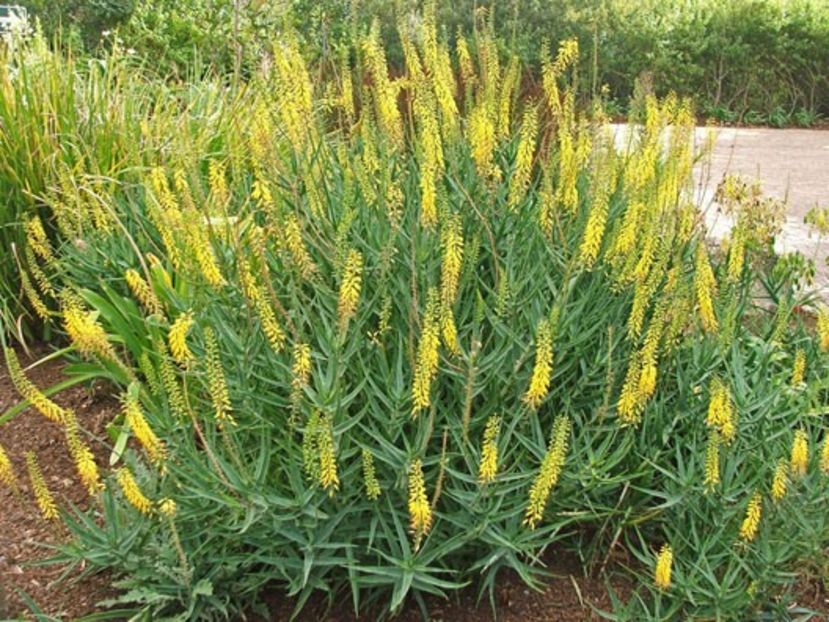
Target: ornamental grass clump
{"points": [[387, 335]]}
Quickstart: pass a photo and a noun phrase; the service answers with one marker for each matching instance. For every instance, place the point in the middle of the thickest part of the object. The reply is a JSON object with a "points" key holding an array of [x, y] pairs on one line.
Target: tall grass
{"points": [[387, 337]]}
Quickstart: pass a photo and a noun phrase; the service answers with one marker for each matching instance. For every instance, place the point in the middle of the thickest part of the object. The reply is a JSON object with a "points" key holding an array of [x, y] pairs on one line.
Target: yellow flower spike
{"points": [[751, 522], [420, 512], [217, 383], [451, 238], [721, 411], [168, 508], [449, 331], [43, 497], [217, 182], [489, 451], [824, 456], [328, 478], [482, 141], [594, 230], [177, 338], [799, 459], [143, 292], [141, 429], [630, 406], [427, 355], [296, 247], [34, 298], [83, 457], [664, 565], [799, 367], [7, 474], [373, 490], [823, 327], [300, 371], [350, 287], [549, 472], [780, 481], [520, 180], [705, 285], [37, 239], [132, 493], [712, 461], [385, 91], [30, 392], [86, 334], [542, 372], [736, 254]]}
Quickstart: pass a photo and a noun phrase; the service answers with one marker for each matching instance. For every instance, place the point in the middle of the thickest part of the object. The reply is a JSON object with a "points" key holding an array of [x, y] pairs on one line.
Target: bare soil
{"points": [[567, 596]]}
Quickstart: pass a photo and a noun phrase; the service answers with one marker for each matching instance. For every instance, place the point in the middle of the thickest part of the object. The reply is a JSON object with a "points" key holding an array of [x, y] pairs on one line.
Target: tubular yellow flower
{"points": [[167, 372], [427, 355], [420, 512], [167, 507], [751, 522], [219, 394], [799, 459], [39, 276], [705, 286], [489, 451], [780, 481], [542, 372], [482, 140], [87, 335], [43, 497], [549, 473], [198, 242], [508, 86], [296, 247], [799, 368], [385, 91], [823, 327], [30, 392], [177, 338], [373, 490], [7, 474], [712, 461], [662, 571], [449, 332], [37, 239], [350, 288], [270, 325], [217, 182], [591, 242], [83, 457], [37, 303], [736, 254], [132, 493], [630, 406], [721, 411], [824, 457], [520, 180], [300, 371], [143, 292], [141, 429], [310, 447], [451, 239], [328, 478]]}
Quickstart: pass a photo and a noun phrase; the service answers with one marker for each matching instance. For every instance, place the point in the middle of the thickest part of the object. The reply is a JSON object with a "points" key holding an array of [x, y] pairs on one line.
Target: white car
{"points": [[13, 18]]}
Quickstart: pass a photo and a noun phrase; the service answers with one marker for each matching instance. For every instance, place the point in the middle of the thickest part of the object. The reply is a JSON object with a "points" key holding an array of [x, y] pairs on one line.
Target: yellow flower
{"points": [[549, 473], [350, 288], [167, 507], [7, 474], [296, 246], [482, 140], [217, 383], [721, 411], [87, 335], [143, 292], [420, 512], [178, 338], [300, 371], [141, 429], [705, 286], [489, 452], [83, 457], [751, 522], [542, 372], [132, 493], [37, 239], [43, 497], [780, 481], [823, 327], [662, 571], [712, 461], [824, 456], [328, 478], [30, 392], [799, 459], [520, 180], [373, 490], [427, 355], [591, 242], [799, 368], [452, 241], [736, 253]]}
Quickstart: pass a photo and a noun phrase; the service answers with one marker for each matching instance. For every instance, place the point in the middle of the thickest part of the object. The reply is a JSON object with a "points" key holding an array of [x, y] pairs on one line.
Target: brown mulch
{"points": [[568, 595], [23, 533]]}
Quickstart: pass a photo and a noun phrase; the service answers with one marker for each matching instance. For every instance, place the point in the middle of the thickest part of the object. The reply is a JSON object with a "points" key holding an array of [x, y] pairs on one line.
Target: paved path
{"points": [[790, 164]]}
